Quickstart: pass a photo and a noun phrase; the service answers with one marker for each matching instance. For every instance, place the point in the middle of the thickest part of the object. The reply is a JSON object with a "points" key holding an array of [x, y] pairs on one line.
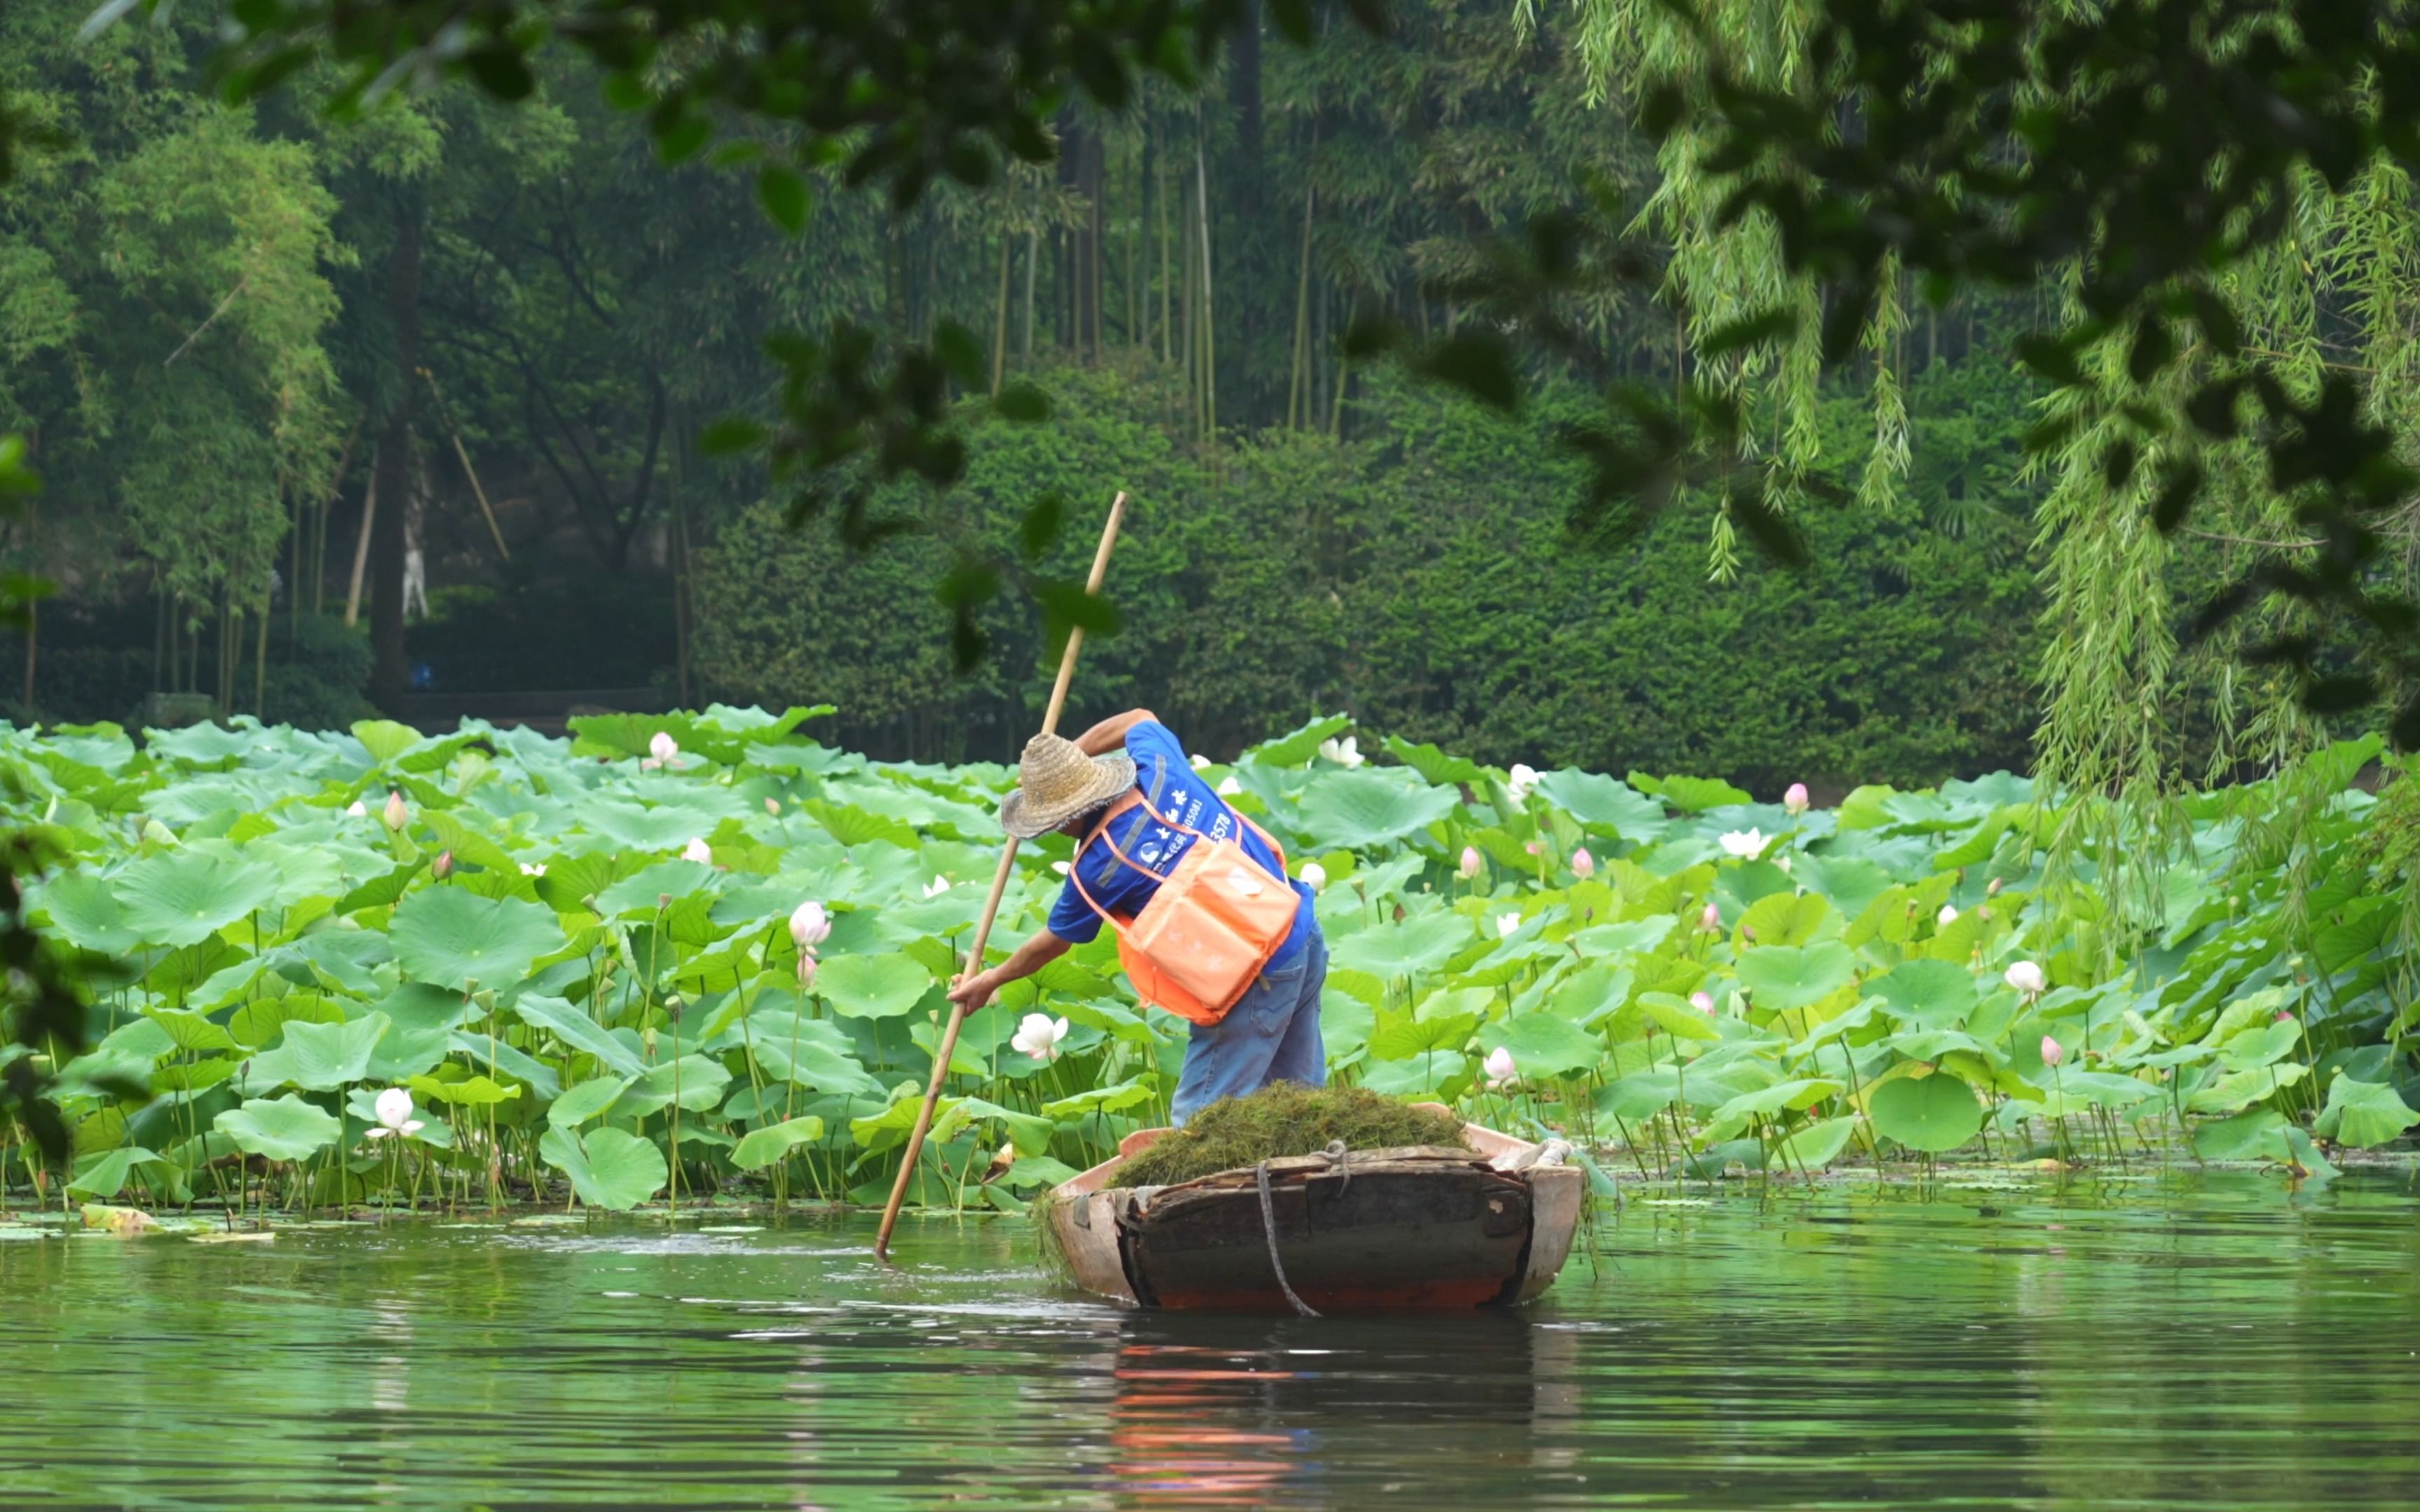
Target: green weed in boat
{"points": [[1284, 1120]]}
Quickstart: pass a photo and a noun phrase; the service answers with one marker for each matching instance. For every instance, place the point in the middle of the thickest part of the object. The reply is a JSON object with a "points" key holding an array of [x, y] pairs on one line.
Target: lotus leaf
{"points": [[1934, 1114], [1782, 977], [608, 1168], [450, 937], [286, 1128], [2362, 1114], [319, 1057], [184, 896]]}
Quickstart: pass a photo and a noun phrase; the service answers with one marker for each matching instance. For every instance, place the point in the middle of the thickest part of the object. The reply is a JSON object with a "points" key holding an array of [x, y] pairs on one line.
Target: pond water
{"points": [[2206, 1341]]}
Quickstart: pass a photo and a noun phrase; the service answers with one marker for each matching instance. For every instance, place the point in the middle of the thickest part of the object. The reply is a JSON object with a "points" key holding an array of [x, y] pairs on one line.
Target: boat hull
{"points": [[1426, 1229]]}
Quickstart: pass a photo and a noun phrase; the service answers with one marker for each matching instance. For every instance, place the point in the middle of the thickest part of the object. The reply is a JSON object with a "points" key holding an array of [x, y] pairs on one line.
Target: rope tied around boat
{"points": [[1337, 1156]]}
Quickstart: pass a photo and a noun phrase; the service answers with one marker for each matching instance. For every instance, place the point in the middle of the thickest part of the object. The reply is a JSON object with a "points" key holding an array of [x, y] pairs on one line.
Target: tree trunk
{"points": [[389, 676]]}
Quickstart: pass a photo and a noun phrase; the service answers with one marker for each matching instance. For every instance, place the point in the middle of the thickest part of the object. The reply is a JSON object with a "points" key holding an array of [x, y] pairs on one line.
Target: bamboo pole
{"points": [[948, 1046], [362, 546], [462, 455]]}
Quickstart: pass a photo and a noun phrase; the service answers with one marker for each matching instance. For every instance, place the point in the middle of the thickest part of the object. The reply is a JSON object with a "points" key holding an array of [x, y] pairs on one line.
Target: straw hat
{"points": [[1056, 782]]}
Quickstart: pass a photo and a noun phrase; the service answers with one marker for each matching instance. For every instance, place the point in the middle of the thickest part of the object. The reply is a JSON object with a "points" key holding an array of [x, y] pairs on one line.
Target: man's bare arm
{"points": [[971, 993], [1110, 734]]}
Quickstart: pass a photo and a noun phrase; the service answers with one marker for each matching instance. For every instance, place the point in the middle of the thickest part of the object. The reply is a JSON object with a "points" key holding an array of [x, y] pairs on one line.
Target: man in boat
{"points": [[1272, 1033]]}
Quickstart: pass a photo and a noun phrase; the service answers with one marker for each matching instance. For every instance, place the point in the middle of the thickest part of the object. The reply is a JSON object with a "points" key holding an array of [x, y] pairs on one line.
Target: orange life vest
{"points": [[1201, 939]]}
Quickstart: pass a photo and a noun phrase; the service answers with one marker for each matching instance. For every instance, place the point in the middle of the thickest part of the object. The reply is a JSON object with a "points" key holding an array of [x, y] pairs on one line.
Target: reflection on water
{"points": [[2192, 1341]]}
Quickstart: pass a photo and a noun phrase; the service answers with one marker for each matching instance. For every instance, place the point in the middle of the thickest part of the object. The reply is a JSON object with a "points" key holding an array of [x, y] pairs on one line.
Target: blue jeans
{"points": [[1270, 1035]]}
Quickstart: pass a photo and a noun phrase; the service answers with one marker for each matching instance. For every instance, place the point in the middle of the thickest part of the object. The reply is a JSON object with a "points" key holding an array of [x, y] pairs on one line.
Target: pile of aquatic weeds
{"points": [[1282, 1119]]}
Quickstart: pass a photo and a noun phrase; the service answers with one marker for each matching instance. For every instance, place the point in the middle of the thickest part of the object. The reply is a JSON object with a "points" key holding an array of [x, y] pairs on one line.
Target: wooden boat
{"points": [[1419, 1229]]}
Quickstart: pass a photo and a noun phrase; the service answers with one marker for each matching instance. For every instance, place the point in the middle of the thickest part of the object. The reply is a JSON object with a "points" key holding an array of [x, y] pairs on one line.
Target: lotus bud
{"points": [[2027, 978], [395, 814], [442, 867], [1747, 933], [1583, 864], [1709, 919], [1991, 888], [773, 807], [699, 850], [1703, 1001], [1534, 848], [1314, 875], [1795, 800], [810, 926], [2284, 1015], [1506, 924], [1983, 911], [663, 901], [1469, 867], [1501, 1071], [806, 971], [663, 747], [1948, 916], [355, 810], [2051, 1052]]}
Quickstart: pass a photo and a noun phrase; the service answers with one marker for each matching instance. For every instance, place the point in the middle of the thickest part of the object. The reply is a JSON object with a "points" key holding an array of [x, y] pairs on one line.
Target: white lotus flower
{"points": [[2027, 978], [1314, 875], [1501, 1071], [1506, 924], [1197, 760], [1469, 867], [698, 851], [533, 869], [1345, 752], [394, 1117], [1037, 1035], [1230, 788], [1795, 800], [1748, 844], [1948, 916], [1061, 866], [663, 747], [937, 887], [810, 926], [1518, 782], [355, 810], [1785, 863]]}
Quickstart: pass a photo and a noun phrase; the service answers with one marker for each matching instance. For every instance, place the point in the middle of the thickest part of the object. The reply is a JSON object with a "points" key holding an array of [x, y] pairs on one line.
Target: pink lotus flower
{"points": [[810, 926], [663, 747], [806, 970], [2051, 1052], [1469, 867], [395, 815], [442, 867], [1583, 864], [1795, 800], [698, 851], [1703, 1001], [1501, 1073], [1534, 848], [773, 807], [1709, 919]]}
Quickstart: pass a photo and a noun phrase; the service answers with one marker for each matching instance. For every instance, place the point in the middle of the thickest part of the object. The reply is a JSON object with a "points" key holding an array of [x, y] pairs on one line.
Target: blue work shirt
{"points": [[1172, 786]]}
